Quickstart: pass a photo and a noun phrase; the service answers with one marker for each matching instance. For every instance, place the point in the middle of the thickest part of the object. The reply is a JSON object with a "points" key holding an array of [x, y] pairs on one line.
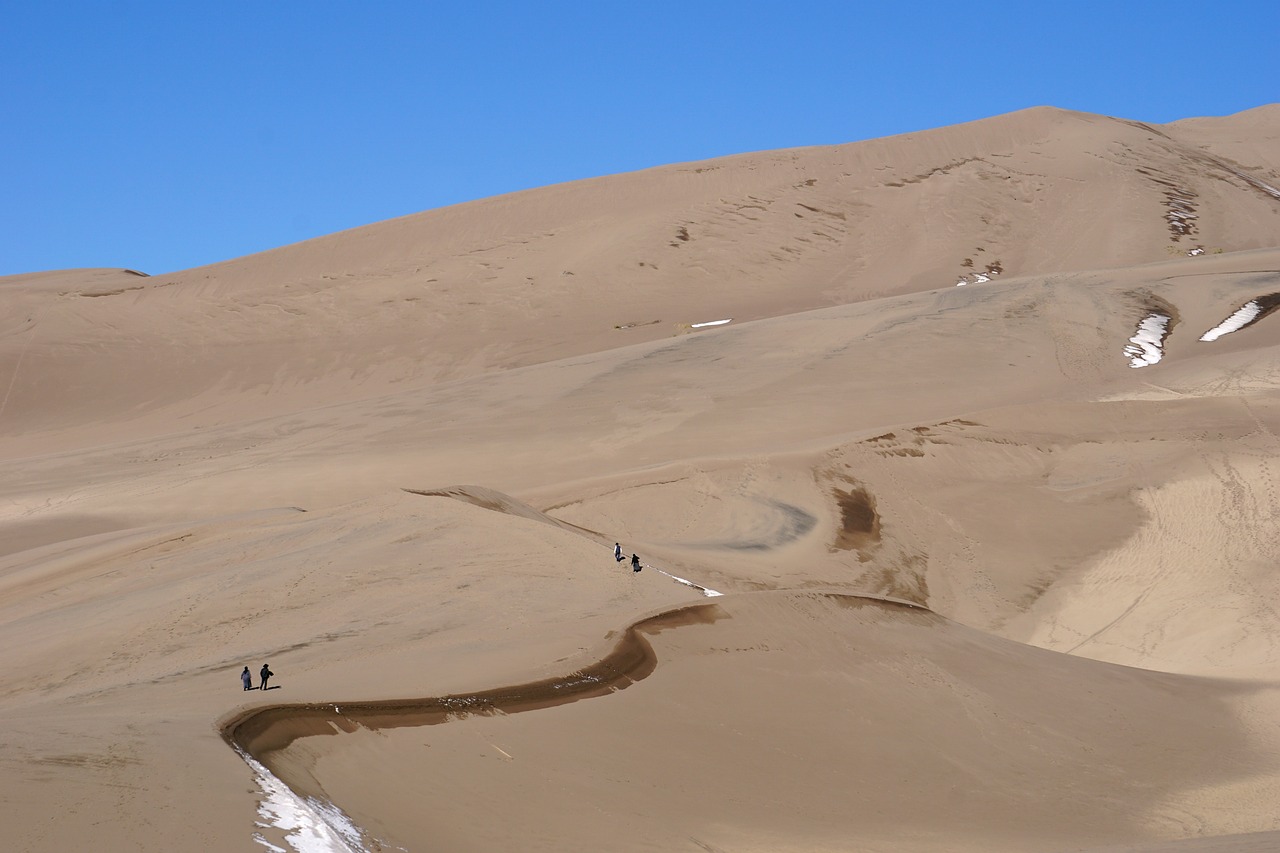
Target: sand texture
{"points": [[927, 567]]}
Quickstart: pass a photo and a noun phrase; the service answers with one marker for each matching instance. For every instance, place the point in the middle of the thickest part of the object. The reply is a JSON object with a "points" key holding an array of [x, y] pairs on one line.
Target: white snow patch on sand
{"points": [[310, 825], [711, 323], [709, 593], [1237, 321], [1146, 347]]}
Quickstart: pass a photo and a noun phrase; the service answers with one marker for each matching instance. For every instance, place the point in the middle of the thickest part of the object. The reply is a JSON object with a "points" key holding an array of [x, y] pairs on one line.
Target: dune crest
{"points": [[593, 265]]}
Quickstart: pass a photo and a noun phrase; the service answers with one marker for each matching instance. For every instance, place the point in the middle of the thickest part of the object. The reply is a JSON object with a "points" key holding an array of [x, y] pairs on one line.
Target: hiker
{"points": [[266, 673], [635, 563], [247, 679], [617, 552]]}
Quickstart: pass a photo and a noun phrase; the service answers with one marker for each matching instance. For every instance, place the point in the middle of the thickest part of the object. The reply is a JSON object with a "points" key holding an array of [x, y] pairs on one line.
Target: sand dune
{"points": [[891, 726], [997, 560], [593, 265]]}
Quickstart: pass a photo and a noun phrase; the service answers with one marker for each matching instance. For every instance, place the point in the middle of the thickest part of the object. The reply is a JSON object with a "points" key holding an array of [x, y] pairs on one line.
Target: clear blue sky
{"points": [[166, 135]]}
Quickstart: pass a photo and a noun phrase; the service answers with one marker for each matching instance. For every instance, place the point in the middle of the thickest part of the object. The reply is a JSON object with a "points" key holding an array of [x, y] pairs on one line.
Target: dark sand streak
{"points": [[263, 730], [260, 731]]}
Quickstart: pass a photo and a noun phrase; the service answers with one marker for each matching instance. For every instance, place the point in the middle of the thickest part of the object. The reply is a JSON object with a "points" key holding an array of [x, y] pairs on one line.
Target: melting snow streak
{"points": [[709, 593], [1244, 315]]}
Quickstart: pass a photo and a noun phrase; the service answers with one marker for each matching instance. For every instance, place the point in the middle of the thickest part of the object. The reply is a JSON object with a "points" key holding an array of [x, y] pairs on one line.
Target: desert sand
{"points": [[959, 535]]}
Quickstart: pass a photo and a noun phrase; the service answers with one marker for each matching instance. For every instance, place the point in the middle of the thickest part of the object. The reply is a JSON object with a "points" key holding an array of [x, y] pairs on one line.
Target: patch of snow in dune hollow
{"points": [[1145, 348], [710, 323], [1237, 321], [709, 593], [310, 825]]}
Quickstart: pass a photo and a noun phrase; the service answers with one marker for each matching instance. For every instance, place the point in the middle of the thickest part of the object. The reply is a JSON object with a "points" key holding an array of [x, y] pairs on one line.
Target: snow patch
{"points": [[993, 269], [1181, 210], [709, 593], [710, 323], [310, 825], [1257, 184], [575, 682], [1243, 316], [1146, 347]]}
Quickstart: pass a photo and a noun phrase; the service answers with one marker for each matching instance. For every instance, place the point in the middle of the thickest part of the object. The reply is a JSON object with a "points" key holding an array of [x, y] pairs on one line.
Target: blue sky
{"points": [[161, 136]]}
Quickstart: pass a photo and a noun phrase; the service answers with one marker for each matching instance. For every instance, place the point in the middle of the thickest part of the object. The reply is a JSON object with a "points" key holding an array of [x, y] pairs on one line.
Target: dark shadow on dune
{"points": [[264, 730]]}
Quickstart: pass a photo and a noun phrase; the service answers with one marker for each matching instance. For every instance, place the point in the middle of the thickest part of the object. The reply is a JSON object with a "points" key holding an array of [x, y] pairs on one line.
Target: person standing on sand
{"points": [[617, 552], [265, 673], [247, 679], [635, 563]]}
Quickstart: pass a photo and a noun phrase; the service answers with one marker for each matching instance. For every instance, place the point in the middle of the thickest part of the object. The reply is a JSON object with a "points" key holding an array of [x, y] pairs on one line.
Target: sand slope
{"points": [[393, 463], [805, 722], [592, 265]]}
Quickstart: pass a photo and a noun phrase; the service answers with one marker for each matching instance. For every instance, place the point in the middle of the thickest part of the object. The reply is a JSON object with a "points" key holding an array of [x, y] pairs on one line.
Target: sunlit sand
{"points": [[923, 567]]}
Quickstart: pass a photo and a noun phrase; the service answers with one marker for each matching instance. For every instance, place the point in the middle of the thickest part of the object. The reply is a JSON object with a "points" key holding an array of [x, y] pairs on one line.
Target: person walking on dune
{"points": [[635, 563], [617, 552], [247, 679], [266, 673]]}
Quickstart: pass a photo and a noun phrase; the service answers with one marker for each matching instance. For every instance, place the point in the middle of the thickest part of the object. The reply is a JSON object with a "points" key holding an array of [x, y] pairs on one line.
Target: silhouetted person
{"points": [[247, 679], [635, 563], [266, 673], [617, 552]]}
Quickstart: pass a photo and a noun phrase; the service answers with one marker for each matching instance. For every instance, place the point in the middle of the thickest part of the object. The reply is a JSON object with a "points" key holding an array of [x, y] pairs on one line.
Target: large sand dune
{"points": [[550, 273], [998, 561]]}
